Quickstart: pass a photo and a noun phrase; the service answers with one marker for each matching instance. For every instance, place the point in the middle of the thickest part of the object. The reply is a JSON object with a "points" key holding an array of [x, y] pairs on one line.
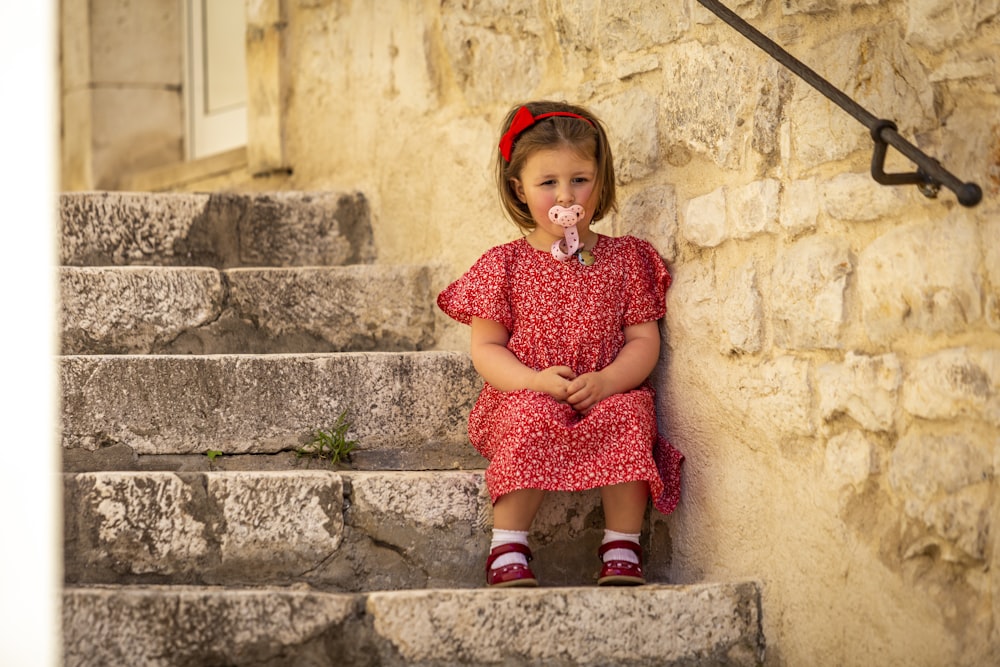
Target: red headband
{"points": [[522, 121]]}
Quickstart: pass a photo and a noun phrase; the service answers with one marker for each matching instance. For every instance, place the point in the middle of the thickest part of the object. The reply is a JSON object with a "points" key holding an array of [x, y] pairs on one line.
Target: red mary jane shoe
{"points": [[621, 572], [509, 575]]}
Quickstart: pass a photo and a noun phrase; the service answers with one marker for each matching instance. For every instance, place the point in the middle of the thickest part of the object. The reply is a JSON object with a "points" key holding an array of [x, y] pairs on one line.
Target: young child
{"points": [[565, 335]]}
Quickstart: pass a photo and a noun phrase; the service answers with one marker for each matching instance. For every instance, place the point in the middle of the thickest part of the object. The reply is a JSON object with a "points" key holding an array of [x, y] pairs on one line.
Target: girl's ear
{"points": [[518, 189]]}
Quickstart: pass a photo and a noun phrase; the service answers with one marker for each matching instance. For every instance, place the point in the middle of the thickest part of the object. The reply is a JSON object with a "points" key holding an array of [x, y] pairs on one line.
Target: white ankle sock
{"points": [[620, 554], [501, 536]]}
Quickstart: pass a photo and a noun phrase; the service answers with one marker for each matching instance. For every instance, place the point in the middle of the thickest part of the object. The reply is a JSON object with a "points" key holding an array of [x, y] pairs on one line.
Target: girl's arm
{"points": [[631, 367], [504, 371]]}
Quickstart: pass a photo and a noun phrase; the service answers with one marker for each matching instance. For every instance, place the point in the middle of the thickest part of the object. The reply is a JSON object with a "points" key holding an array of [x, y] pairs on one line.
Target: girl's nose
{"points": [[564, 198]]}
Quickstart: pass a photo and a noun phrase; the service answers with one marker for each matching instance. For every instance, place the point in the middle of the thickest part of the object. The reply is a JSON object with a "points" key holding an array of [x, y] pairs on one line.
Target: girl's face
{"points": [[557, 176]]}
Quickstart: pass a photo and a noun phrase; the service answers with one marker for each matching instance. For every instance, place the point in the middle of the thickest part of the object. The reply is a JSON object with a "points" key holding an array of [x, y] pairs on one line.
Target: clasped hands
{"points": [[582, 392]]}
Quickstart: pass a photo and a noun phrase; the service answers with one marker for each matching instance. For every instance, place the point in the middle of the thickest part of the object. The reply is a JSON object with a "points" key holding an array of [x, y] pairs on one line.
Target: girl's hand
{"points": [[588, 390], [554, 381]]}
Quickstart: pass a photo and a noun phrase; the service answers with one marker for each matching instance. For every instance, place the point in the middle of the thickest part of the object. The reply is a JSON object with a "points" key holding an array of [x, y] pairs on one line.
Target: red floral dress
{"points": [[568, 314]]}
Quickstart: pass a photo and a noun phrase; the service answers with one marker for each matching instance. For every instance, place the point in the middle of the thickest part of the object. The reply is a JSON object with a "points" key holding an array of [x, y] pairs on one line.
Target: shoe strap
{"points": [[509, 548], [620, 544]]}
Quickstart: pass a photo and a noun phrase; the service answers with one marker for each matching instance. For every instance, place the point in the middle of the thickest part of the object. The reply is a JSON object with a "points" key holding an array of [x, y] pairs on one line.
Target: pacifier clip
{"points": [[569, 246]]}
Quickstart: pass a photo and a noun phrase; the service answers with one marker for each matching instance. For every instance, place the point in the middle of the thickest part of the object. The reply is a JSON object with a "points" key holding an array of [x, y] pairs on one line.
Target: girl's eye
{"points": [[581, 179]]}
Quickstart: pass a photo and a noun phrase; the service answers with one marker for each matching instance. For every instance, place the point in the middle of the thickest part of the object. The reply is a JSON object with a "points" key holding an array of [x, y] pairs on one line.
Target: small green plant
{"points": [[330, 444], [213, 454]]}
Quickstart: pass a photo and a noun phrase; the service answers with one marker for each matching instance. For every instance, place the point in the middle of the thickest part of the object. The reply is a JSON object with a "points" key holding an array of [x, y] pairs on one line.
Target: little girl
{"points": [[564, 334]]}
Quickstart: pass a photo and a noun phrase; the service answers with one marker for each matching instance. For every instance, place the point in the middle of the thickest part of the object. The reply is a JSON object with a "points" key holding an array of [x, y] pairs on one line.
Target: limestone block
{"points": [[277, 523], [752, 208], [200, 626], [937, 24], [718, 125], [651, 214], [808, 284], [741, 315], [486, 45], [631, 26], [571, 626], [113, 228], [361, 307], [220, 230], [396, 402], [943, 480], [777, 396], [799, 207], [858, 198], [135, 524], [633, 125], [429, 529], [306, 229], [880, 72], [133, 309], [920, 279], [704, 221], [692, 304], [200, 527], [862, 387], [629, 64], [851, 459], [954, 383]]}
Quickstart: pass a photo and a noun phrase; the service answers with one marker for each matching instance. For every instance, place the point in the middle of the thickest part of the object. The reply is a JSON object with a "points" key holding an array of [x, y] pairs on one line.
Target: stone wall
{"points": [[832, 357]]}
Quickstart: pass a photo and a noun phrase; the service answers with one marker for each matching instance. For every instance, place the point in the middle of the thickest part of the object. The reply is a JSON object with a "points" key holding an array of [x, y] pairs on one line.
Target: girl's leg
{"points": [[516, 510], [624, 510], [625, 506], [513, 514]]}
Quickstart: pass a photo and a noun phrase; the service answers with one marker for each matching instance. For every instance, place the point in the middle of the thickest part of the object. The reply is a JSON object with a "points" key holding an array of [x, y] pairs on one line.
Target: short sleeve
{"points": [[648, 280], [481, 292]]}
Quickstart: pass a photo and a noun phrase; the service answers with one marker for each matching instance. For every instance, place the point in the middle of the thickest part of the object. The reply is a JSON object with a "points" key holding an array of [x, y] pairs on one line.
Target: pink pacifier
{"points": [[567, 218]]}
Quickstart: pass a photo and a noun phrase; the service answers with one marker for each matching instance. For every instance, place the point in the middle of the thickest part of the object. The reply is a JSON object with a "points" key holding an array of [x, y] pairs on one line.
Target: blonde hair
{"points": [[588, 138]]}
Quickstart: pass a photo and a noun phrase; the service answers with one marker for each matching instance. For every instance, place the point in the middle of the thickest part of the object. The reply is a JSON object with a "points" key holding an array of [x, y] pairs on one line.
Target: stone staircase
{"points": [[238, 325]]}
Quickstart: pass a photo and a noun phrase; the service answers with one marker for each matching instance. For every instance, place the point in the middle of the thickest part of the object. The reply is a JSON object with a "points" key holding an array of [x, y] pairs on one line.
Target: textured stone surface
{"points": [[863, 388], [134, 309], [245, 528], [808, 284], [741, 315], [166, 626], [335, 530], [401, 404], [944, 479], [920, 278], [955, 382], [166, 310], [711, 625], [220, 230], [362, 307], [572, 626]]}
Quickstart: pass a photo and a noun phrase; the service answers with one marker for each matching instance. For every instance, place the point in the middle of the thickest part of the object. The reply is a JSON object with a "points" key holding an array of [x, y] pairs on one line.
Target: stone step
{"points": [[341, 531], [695, 625], [189, 310], [407, 410], [221, 230]]}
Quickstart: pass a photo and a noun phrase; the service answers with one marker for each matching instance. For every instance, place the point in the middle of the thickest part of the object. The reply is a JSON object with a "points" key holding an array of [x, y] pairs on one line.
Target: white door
{"points": [[216, 76]]}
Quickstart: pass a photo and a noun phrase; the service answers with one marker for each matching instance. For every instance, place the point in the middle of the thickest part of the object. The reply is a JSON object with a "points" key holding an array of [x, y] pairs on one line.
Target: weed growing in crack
{"points": [[330, 444]]}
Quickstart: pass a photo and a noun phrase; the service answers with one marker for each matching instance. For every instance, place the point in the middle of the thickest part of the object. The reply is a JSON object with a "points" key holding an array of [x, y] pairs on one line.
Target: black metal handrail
{"points": [[930, 175]]}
